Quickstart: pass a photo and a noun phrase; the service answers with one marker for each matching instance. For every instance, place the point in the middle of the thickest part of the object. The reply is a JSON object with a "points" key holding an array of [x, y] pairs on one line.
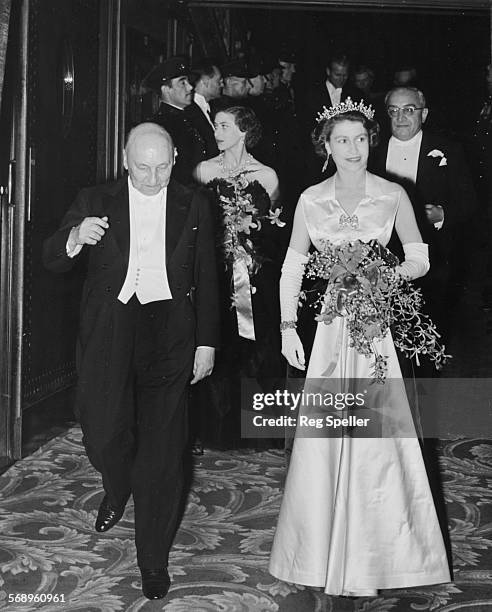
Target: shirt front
{"points": [[204, 106], [403, 157], [403, 160], [335, 93], [146, 276]]}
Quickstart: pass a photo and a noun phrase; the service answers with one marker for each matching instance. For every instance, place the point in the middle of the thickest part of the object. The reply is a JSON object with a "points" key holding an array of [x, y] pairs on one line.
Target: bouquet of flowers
{"points": [[241, 215], [361, 284]]}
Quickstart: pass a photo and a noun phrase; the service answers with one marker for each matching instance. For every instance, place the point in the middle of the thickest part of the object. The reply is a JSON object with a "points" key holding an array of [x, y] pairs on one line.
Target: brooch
{"points": [[351, 221]]}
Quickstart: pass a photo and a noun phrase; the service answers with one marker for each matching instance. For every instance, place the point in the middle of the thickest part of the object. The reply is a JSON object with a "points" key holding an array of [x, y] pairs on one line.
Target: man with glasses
{"points": [[435, 175]]}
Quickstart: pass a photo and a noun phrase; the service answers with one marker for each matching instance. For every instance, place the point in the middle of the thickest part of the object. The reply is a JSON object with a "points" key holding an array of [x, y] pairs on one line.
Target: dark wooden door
{"points": [[12, 168], [48, 149], [61, 158]]}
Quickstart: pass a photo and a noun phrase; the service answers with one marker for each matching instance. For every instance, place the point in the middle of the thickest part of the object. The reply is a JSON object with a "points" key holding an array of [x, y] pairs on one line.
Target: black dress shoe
{"points": [[155, 582], [107, 516]]}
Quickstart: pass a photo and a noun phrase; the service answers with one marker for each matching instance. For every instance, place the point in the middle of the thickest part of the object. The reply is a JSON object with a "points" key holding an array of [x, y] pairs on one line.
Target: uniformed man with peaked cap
{"points": [[170, 81]]}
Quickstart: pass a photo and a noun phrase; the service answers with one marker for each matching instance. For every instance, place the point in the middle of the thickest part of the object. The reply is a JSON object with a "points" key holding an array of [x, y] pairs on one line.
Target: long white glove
{"points": [[416, 263], [290, 287]]}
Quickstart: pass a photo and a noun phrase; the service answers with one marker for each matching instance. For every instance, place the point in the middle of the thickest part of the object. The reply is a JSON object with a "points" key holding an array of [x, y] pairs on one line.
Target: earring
{"points": [[325, 165]]}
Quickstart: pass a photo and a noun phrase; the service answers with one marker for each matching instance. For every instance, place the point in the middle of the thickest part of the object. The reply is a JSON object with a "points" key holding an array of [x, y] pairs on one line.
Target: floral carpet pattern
{"points": [[48, 547]]}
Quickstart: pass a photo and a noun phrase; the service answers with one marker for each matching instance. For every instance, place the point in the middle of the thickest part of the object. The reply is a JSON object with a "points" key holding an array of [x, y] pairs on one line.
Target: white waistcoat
{"points": [[146, 275]]}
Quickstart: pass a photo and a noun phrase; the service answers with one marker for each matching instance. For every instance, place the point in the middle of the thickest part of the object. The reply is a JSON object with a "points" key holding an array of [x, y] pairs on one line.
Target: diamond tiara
{"points": [[345, 107]]}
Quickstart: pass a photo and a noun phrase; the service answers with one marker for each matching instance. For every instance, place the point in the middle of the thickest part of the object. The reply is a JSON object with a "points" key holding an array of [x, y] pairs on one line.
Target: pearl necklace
{"points": [[232, 171]]}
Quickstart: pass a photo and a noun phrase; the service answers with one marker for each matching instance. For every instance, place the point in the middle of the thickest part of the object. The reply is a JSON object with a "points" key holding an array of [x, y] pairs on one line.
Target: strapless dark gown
{"points": [[219, 395]]}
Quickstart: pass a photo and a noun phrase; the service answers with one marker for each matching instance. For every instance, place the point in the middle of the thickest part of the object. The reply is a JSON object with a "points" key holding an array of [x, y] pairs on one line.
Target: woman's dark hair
{"points": [[323, 130], [247, 122]]}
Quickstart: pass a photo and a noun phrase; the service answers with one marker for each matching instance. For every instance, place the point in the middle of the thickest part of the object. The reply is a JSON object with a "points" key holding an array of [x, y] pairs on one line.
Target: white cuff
{"points": [[72, 247], [75, 251]]}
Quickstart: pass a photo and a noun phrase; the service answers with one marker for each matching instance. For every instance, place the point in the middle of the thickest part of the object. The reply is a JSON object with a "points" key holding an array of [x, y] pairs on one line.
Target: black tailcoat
{"points": [[135, 361], [204, 128], [442, 179]]}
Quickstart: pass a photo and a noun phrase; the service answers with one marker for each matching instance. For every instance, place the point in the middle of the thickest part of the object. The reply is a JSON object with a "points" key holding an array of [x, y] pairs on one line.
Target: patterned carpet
{"points": [[48, 547]]}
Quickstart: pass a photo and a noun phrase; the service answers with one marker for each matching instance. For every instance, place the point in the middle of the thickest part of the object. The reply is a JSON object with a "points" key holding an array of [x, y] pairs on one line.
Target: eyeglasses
{"points": [[408, 111]]}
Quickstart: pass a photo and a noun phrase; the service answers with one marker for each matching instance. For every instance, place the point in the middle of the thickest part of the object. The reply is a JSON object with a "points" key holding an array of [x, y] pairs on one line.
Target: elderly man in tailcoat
{"points": [[148, 325]]}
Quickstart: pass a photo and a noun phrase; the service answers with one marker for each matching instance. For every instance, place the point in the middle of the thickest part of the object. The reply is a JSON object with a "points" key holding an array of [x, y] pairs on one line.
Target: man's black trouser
{"points": [[135, 425]]}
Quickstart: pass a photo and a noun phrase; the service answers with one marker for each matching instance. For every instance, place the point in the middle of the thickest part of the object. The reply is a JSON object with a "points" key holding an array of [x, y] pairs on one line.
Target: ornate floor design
{"points": [[48, 505]]}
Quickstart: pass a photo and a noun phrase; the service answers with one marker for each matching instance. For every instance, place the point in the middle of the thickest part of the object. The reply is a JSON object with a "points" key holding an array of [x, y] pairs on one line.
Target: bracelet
{"points": [[287, 325]]}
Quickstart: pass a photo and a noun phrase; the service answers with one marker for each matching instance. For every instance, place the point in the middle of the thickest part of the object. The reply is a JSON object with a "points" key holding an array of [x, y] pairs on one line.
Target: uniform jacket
{"points": [[190, 144]]}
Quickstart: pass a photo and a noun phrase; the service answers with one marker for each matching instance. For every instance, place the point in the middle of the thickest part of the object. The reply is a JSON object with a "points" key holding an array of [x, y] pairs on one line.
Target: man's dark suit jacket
{"points": [[205, 129], [191, 270], [447, 183], [318, 96], [190, 144]]}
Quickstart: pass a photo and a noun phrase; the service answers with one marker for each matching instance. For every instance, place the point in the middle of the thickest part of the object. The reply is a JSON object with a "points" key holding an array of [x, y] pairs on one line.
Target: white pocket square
{"points": [[435, 153], [443, 162]]}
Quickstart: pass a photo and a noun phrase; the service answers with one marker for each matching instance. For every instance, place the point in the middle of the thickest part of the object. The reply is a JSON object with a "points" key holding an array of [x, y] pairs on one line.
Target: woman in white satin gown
{"points": [[357, 513]]}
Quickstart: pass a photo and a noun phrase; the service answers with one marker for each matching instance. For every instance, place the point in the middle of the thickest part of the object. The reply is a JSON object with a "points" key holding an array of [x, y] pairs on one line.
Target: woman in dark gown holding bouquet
{"points": [[250, 241]]}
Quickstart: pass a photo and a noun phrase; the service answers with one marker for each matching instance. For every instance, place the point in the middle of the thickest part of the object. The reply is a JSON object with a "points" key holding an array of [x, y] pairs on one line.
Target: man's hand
{"points": [[89, 231], [435, 213], [203, 364]]}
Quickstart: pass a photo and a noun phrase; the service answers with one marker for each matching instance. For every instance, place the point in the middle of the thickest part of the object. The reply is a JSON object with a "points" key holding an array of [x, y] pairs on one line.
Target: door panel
{"points": [[62, 158], [12, 172]]}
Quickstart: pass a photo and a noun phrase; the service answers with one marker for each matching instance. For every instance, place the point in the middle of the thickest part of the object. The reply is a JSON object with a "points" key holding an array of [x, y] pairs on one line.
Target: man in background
{"points": [[335, 89], [170, 81], [206, 80], [435, 175]]}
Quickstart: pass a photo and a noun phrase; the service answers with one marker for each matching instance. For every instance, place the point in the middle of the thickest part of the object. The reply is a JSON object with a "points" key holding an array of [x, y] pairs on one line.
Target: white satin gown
{"points": [[357, 513]]}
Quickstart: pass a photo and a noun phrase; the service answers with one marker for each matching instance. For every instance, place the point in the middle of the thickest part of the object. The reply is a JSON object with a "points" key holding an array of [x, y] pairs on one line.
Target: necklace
{"points": [[233, 170]]}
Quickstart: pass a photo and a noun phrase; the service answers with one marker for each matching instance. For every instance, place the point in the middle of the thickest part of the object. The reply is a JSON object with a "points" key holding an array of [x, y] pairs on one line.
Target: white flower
{"points": [[437, 153], [274, 217]]}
